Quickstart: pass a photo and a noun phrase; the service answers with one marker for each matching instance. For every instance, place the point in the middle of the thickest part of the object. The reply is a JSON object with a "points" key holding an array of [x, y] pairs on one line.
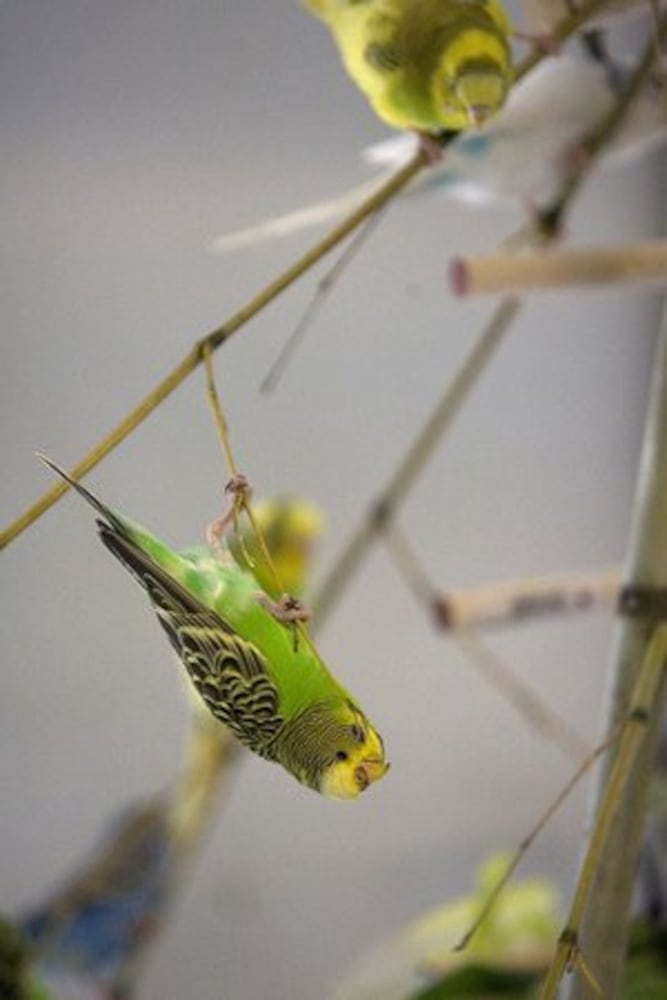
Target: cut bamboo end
{"points": [[512, 602], [642, 263]]}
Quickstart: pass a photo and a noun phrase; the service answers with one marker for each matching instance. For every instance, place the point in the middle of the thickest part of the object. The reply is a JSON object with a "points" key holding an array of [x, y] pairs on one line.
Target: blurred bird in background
{"points": [[506, 959], [520, 158], [92, 928], [427, 65], [516, 941], [91, 935], [511, 950]]}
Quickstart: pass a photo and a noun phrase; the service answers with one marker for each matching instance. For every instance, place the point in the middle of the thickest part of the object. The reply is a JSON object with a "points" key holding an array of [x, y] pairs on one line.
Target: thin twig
{"points": [[221, 334], [644, 706], [544, 719], [560, 33], [525, 844], [324, 288], [533, 710], [387, 503], [242, 499], [217, 411], [214, 340], [551, 218]]}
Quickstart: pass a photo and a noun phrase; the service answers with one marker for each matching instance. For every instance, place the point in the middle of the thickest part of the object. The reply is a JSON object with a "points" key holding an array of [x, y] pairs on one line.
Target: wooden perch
{"points": [[624, 265], [534, 711], [508, 602]]}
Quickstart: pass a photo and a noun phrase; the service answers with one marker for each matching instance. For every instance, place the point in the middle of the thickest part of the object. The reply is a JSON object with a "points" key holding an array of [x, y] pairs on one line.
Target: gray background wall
{"points": [[133, 133]]}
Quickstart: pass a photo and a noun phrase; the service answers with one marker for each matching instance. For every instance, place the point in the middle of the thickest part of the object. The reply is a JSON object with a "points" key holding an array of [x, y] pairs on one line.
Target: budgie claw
{"points": [[239, 489], [288, 610], [544, 43], [430, 148]]}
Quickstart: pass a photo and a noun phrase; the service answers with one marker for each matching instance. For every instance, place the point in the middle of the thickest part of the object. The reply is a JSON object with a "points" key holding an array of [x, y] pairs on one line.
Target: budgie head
{"points": [[470, 90], [474, 71], [334, 749]]}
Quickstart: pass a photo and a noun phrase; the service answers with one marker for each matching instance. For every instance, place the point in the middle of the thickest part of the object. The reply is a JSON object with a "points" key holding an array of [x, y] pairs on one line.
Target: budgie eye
{"points": [[341, 755]]}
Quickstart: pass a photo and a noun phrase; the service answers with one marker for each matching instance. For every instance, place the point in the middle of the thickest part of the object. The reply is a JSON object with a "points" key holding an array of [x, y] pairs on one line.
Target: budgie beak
{"points": [[348, 779], [481, 93], [369, 771], [478, 115]]}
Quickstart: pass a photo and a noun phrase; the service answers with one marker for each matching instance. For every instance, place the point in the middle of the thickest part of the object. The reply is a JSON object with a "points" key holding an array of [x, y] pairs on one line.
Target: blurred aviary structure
{"points": [[164, 832], [643, 609]]}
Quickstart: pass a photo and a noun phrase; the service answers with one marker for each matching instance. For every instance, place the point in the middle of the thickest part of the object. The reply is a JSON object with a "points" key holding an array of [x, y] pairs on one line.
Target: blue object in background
{"points": [[94, 926]]}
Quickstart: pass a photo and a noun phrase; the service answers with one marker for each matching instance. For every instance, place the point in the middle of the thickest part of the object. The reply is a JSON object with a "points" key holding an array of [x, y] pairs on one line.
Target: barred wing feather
{"points": [[230, 673]]}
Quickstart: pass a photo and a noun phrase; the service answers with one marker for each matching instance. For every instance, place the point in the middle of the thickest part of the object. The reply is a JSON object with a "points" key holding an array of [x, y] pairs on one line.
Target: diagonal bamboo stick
{"points": [[413, 462]]}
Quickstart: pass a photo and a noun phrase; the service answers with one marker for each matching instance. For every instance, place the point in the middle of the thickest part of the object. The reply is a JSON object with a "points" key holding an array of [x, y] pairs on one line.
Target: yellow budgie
{"points": [[427, 65]]}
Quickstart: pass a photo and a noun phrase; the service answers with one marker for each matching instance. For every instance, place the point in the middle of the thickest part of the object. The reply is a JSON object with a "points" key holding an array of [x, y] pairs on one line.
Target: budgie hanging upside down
{"points": [[275, 695], [426, 65]]}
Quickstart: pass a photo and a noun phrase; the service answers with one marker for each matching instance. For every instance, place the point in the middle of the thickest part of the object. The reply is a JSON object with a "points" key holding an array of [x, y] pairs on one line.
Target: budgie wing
{"points": [[230, 673]]}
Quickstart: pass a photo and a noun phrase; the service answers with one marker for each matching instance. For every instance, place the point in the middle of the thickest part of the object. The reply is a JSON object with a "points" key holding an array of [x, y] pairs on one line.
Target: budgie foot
{"points": [[542, 42], [429, 148], [287, 610], [239, 490]]}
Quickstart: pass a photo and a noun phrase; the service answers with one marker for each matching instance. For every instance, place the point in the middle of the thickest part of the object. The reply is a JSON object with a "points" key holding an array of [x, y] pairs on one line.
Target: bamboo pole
{"points": [[603, 932]]}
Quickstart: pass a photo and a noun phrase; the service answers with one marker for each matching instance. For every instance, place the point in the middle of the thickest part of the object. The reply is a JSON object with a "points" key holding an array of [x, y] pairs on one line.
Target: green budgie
{"points": [[276, 696]]}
